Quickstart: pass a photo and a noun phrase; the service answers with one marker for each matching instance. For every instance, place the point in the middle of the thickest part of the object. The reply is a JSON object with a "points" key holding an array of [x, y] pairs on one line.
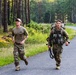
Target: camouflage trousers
{"points": [[18, 53], [57, 51]]}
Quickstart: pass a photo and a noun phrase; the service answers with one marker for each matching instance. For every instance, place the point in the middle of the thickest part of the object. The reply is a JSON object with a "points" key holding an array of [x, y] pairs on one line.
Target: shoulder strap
{"points": [[53, 30], [62, 30]]}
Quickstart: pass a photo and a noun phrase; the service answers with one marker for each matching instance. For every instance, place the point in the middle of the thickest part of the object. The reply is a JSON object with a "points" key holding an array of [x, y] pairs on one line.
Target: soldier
{"points": [[57, 38], [20, 35]]}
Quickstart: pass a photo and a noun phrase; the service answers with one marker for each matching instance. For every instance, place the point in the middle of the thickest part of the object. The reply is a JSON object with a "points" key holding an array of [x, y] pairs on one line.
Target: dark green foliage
{"points": [[47, 17], [44, 28]]}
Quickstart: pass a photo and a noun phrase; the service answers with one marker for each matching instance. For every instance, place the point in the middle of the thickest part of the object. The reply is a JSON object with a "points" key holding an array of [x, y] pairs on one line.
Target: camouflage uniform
{"points": [[18, 34], [56, 40]]}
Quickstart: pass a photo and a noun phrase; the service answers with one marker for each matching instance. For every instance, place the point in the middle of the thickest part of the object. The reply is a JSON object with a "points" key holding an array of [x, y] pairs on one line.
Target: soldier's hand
{"points": [[49, 46], [22, 42], [66, 43], [13, 41]]}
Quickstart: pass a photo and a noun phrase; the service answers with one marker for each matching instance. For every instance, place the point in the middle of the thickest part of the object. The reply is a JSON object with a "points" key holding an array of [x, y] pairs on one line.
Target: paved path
{"points": [[41, 64]]}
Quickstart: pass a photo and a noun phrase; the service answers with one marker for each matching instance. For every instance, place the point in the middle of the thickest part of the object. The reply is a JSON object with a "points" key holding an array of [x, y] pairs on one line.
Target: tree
{"points": [[19, 11], [0, 13], [15, 7], [47, 17], [5, 25], [73, 12], [8, 4], [27, 8]]}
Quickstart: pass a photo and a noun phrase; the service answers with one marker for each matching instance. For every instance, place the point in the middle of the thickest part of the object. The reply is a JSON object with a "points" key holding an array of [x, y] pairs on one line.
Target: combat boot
{"points": [[26, 62], [57, 67], [17, 68]]}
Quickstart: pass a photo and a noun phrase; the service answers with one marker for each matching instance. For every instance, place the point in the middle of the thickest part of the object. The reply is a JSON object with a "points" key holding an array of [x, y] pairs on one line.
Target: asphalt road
{"points": [[41, 64]]}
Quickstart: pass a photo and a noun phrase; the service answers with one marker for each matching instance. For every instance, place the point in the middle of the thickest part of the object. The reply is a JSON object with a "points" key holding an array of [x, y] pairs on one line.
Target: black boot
{"points": [[26, 62], [17, 66]]}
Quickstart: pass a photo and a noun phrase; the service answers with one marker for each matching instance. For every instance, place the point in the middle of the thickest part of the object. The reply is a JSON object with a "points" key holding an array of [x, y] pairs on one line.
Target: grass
{"points": [[71, 33], [6, 54], [35, 49], [71, 24]]}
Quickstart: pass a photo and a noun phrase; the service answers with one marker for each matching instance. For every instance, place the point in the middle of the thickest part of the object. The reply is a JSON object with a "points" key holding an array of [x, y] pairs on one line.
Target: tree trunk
{"points": [[19, 11], [23, 15], [5, 25], [15, 9], [74, 16], [0, 13], [12, 10], [8, 12], [27, 11]]}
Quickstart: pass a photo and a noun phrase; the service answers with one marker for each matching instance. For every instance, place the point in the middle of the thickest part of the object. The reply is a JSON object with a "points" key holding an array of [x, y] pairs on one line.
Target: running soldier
{"points": [[57, 38], [20, 35]]}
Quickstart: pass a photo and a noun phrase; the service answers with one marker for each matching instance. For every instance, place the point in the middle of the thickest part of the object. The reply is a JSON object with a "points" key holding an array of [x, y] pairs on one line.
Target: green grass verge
{"points": [[71, 33], [35, 49], [6, 54], [71, 24]]}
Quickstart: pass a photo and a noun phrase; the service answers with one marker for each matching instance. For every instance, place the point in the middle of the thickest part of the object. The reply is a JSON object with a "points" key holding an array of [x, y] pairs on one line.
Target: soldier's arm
{"points": [[26, 34], [50, 38], [25, 38], [66, 36], [13, 37]]}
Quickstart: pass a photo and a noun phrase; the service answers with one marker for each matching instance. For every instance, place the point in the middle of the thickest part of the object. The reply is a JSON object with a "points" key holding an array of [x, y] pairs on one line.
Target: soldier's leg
{"points": [[22, 54], [57, 54], [58, 59], [57, 50], [16, 54]]}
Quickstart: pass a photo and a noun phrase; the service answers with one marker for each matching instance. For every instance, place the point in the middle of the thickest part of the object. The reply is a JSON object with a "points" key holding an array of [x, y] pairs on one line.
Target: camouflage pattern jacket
{"points": [[58, 36]]}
